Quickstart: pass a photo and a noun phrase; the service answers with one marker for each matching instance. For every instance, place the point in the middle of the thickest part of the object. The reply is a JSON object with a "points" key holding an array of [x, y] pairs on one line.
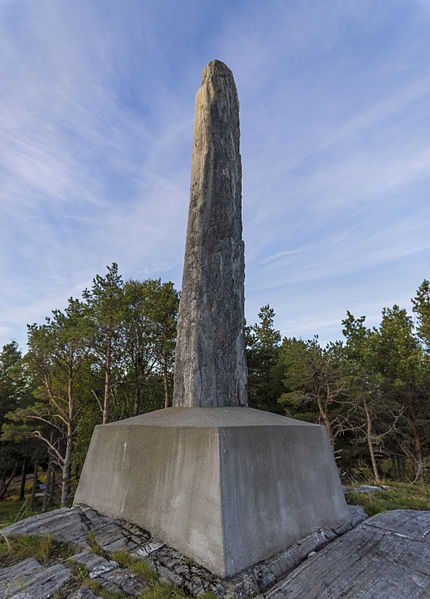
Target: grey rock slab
{"points": [[122, 581], [30, 580], [109, 574], [112, 534], [95, 564], [210, 365], [368, 489], [64, 525], [410, 523], [357, 514], [167, 575], [148, 548], [386, 556], [175, 568]]}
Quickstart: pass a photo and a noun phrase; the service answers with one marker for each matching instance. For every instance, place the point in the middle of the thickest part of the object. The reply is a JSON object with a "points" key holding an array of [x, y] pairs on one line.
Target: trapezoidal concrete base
{"points": [[227, 487]]}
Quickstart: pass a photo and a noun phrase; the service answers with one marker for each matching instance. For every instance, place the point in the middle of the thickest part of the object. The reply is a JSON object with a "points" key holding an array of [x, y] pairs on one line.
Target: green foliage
{"points": [[315, 382], [262, 353], [105, 358], [421, 307], [16, 387], [110, 356]]}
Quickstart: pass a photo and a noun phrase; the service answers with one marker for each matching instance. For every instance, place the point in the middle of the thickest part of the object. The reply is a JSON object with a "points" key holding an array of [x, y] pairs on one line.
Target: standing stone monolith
{"points": [[210, 365], [227, 485]]}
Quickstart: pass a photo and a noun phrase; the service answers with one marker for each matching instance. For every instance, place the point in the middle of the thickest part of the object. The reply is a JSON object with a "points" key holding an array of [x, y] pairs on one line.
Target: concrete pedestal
{"points": [[227, 487]]}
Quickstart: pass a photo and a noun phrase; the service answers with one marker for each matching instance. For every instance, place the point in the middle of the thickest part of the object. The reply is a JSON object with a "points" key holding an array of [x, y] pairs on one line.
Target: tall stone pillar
{"points": [[210, 366], [225, 484]]}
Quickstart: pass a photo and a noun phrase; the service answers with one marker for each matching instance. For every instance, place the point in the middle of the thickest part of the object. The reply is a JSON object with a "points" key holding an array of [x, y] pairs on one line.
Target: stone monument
{"points": [[224, 484], [210, 365]]}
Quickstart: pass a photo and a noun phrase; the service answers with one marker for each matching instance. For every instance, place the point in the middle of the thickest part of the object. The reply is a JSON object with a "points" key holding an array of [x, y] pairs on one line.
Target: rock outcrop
{"points": [[74, 525], [383, 557]]}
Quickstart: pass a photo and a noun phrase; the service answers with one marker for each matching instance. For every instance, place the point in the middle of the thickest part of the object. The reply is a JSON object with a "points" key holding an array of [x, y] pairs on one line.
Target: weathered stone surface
{"points": [[30, 580], [122, 581], [64, 524], [95, 564], [110, 575], [385, 557], [210, 366], [112, 534], [367, 489]]}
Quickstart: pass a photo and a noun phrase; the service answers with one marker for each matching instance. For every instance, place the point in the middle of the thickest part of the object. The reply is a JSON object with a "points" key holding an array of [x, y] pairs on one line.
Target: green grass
{"points": [[157, 589], [95, 547], [44, 549], [136, 565], [399, 496], [13, 509]]}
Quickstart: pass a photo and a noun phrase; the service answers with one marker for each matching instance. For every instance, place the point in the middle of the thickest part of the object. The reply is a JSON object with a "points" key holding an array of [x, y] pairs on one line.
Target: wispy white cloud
{"points": [[96, 111]]}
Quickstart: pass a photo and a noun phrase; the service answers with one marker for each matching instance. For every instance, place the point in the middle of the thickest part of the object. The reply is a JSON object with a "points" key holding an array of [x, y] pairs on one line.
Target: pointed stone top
{"points": [[216, 67]]}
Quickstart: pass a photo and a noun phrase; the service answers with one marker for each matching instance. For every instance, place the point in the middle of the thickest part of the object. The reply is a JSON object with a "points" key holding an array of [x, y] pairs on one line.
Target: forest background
{"points": [[110, 355]]}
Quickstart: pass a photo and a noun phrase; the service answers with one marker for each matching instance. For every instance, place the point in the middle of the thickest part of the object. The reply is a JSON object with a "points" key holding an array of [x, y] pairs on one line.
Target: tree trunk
{"points": [[65, 480], [396, 475], [419, 461], [23, 479], [51, 499], [402, 468], [166, 389], [35, 481], [67, 460], [326, 422], [46, 495], [107, 381], [5, 482], [369, 441]]}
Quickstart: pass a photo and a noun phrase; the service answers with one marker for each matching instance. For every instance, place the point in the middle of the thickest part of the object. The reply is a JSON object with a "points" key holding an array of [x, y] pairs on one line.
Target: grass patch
{"points": [[101, 591], [95, 547], [79, 571], [163, 590], [399, 496], [157, 589], [44, 549], [136, 565]]}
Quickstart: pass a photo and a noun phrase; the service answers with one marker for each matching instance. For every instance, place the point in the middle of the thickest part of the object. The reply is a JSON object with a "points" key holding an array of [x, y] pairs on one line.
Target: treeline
{"points": [[110, 355], [106, 357], [371, 391]]}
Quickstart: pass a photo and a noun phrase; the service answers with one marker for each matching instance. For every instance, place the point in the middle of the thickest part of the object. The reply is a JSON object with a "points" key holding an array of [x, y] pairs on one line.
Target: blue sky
{"points": [[96, 116]]}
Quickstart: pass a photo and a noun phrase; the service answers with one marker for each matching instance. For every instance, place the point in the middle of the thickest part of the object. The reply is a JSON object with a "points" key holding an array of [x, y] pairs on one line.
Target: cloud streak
{"points": [[96, 112]]}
